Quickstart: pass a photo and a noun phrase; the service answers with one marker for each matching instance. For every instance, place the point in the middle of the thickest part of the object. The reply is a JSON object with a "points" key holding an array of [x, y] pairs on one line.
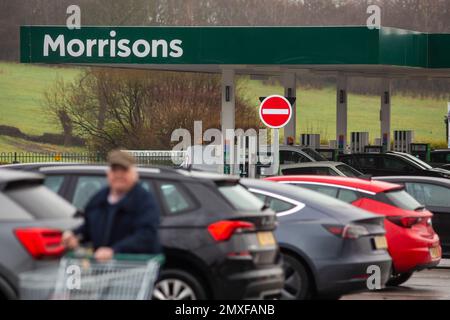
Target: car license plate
{"points": [[435, 253], [265, 238], [380, 242]]}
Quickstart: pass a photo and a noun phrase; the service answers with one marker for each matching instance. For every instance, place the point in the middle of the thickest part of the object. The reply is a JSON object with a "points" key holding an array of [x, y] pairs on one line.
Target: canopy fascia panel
{"points": [[269, 48]]}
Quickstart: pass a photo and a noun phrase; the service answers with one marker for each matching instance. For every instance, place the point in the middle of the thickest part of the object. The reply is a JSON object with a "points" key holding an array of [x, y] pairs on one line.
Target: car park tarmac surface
{"points": [[433, 284]]}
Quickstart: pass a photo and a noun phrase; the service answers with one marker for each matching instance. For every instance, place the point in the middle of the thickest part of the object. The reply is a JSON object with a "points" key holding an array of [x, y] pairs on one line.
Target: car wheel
{"points": [[297, 284], [398, 279], [176, 284]]}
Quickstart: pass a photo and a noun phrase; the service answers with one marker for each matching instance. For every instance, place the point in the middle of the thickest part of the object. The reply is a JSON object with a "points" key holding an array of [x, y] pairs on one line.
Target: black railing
{"points": [[157, 158]]}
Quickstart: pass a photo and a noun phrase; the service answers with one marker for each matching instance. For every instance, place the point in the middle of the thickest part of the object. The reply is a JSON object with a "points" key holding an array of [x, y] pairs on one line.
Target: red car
{"points": [[412, 242]]}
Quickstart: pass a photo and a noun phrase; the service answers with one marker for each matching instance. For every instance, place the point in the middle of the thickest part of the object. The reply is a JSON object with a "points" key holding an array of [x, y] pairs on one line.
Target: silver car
{"points": [[31, 220]]}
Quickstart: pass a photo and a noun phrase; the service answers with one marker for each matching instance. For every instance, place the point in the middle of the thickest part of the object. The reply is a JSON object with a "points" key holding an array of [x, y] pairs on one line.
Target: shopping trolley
{"points": [[81, 277]]}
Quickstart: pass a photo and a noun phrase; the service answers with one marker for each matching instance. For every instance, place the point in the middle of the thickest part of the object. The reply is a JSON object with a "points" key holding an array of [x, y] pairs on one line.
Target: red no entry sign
{"points": [[275, 111]]}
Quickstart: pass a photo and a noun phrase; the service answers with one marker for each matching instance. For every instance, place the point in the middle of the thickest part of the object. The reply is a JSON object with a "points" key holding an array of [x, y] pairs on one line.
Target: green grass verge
{"points": [[9, 144]]}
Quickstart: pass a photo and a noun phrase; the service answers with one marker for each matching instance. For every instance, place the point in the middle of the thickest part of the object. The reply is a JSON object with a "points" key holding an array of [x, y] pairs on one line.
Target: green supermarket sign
{"points": [[233, 45]]}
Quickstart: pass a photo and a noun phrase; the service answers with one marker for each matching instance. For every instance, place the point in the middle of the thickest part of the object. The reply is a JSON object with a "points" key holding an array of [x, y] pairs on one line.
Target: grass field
{"points": [[22, 87], [316, 112], [21, 92]]}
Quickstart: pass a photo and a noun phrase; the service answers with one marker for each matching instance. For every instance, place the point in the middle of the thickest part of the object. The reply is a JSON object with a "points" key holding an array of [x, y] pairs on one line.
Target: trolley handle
{"points": [[87, 254]]}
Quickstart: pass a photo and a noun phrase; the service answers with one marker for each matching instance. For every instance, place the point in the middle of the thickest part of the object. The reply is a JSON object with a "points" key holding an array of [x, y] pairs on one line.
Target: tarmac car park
{"points": [[327, 245], [223, 247], [413, 243], [61, 179]]}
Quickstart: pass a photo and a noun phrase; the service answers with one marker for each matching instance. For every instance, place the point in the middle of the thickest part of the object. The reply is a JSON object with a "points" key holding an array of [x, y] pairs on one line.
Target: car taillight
{"points": [[223, 230], [41, 242], [406, 222], [350, 231]]}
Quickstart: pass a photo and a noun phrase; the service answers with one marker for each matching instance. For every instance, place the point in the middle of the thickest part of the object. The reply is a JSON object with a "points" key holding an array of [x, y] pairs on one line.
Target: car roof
{"points": [[312, 164], [8, 176], [441, 150], [179, 174], [310, 198], [361, 184], [35, 165], [415, 178]]}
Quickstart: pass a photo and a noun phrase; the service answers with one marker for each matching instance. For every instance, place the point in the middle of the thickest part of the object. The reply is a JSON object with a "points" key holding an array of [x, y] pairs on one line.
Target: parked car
{"points": [[31, 220], [327, 245], [391, 164], [434, 194], [325, 168], [413, 243], [296, 154], [288, 155], [217, 237], [440, 158]]}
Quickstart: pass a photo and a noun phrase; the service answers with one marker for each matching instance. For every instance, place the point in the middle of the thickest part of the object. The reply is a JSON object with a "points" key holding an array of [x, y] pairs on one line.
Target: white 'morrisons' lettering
{"points": [[112, 44], [90, 43], [124, 49], [101, 46], [137, 52], [112, 47], [156, 44], [59, 42], [77, 43], [175, 46]]}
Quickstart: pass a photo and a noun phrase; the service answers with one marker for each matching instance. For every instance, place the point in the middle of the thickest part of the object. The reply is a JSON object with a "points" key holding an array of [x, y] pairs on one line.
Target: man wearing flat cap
{"points": [[121, 218]]}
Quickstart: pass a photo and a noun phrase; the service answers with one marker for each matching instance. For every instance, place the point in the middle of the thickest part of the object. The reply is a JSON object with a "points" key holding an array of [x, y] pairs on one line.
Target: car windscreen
{"points": [[348, 171], [40, 202], [241, 198], [402, 199], [314, 154], [418, 161]]}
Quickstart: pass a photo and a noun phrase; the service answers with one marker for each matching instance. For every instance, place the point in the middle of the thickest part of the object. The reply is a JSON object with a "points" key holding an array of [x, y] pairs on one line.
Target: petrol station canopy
{"points": [[355, 50]]}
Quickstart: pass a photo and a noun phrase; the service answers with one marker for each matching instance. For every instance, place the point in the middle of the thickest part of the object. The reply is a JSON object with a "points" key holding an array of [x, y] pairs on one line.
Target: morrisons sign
{"points": [[198, 45], [234, 45]]}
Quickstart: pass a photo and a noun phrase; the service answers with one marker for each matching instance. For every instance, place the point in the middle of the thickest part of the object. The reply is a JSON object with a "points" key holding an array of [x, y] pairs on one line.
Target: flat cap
{"points": [[120, 158]]}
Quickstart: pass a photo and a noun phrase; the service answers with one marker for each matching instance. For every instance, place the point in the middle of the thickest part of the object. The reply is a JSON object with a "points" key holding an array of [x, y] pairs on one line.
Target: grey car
{"points": [[327, 245], [434, 194], [31, 220]]}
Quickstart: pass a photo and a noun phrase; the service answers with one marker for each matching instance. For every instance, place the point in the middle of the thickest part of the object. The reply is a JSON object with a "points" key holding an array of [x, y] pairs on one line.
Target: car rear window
{"points": [[348, 171], [241, 198], [10, 211], [314, 154], [400, 199], [40, 202]]}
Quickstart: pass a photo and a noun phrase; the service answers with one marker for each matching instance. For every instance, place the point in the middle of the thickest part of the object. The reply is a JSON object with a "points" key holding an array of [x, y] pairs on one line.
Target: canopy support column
{"points": [[290, 90], [228, 117], [341, 112], [385, 114]]}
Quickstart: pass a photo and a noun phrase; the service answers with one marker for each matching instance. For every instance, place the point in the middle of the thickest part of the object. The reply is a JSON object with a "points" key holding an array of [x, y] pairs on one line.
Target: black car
{"points": [[440, 158], [434, 193], [392, 164], [217, 237], [322, 168]]}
